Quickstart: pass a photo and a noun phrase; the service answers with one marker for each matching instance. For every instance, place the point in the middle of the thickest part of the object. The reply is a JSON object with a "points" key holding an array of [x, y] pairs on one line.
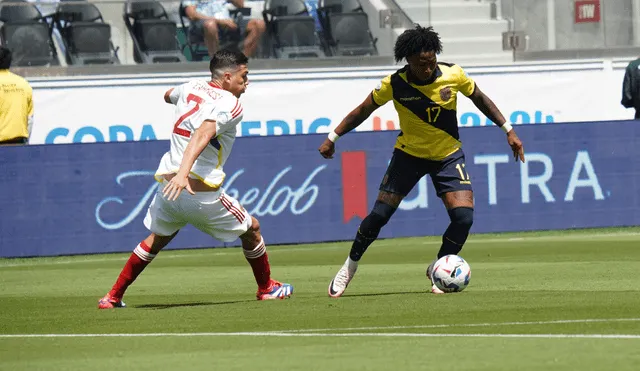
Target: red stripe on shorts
{"points": [[232, 209]]}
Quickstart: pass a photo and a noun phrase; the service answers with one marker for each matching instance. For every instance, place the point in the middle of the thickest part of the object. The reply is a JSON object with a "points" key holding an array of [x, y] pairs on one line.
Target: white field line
{"points": [[347, 334], [232, 250], [338, 332], [488, 324]]}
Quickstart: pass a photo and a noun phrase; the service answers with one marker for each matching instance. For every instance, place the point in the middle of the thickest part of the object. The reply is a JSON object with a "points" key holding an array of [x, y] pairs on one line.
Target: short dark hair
{"points": [[5, 58], [415, 41], [225, 58]]}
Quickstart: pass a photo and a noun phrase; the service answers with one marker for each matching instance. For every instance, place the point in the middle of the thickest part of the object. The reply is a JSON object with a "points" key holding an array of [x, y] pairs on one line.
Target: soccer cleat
{"points": [[276, 290], [430, 269], [436, 290], [342, 278], [108, 302]]}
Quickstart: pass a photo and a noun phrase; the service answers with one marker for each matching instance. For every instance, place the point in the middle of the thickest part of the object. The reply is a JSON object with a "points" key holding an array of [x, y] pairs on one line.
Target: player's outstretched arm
{"points": [[489, 109], [350, 122], [199, 140]]}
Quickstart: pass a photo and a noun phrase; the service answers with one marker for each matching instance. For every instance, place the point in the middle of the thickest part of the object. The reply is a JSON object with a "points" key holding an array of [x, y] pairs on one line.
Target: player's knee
{"points": [[255, 226], [253, 232], [462, 217], [377, 218], [157, 242]]}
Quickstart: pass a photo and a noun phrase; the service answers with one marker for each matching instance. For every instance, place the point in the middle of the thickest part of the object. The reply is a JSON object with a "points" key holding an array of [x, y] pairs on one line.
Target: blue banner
{"points": [[91, 198]]}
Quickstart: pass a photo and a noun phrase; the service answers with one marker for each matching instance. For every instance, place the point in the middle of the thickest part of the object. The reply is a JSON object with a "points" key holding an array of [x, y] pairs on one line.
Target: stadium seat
{"points": [[291, 29], [27, 34], [227, 39], [340, 6], [154, 35], [86, 36], [348, 34], [346, 28]]}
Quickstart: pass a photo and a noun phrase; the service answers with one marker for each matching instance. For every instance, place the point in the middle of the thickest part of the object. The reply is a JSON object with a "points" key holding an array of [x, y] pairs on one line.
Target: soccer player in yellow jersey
{"points": [[424, 95]]}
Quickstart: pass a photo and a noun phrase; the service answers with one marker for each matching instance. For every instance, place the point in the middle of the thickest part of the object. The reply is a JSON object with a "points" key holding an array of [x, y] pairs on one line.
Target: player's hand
{"points": [[172, 190], [227, 23], [516, 145], [327, 149]]}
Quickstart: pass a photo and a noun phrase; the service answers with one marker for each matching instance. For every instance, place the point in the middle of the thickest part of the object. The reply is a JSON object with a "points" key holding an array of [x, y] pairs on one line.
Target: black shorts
{"points": [[447, 175]]}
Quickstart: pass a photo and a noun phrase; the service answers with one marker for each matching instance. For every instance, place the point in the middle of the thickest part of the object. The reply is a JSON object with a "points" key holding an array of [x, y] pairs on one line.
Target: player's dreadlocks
{"points": [[415, 41]]}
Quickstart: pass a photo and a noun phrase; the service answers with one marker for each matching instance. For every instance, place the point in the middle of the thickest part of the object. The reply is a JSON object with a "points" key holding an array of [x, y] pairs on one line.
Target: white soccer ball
{"points": [[451, 273]]}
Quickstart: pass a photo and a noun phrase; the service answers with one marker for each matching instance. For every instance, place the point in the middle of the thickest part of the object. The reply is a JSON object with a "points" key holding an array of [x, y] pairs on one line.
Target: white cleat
{"points": [[342, 278], [434, 288]]}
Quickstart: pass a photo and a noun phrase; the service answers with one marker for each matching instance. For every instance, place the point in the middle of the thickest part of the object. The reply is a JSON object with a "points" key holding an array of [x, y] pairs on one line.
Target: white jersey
{"points": [[195, 102]]}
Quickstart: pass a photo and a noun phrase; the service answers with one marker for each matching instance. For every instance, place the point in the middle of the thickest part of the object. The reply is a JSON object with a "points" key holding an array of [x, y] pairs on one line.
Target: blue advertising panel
{"points": [[92, 198]]}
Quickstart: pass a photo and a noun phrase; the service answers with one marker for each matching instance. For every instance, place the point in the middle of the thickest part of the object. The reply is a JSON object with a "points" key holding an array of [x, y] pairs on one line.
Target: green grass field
{"points": [[537, 301]]}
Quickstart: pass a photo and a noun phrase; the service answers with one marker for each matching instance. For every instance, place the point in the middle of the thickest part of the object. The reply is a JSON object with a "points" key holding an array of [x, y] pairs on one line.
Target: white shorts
{"points": [[214, 213]]}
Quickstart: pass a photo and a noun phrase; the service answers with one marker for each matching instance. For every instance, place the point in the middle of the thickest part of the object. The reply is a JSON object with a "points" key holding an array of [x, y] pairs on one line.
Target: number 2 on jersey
{"points": [[194, 109]]}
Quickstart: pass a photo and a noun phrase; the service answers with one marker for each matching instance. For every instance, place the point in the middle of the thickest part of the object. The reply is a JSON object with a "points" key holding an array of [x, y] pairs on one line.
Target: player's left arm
{"points": [[198, 142], [489, 109]]}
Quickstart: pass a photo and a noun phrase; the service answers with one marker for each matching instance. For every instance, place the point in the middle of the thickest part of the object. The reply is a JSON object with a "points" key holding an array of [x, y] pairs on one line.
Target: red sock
{"points": [[135, 265], [259, 264]]}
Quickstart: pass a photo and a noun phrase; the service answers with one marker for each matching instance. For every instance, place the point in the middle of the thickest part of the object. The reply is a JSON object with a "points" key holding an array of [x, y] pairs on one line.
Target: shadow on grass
{"points": [[384, 294], [191, 304]]}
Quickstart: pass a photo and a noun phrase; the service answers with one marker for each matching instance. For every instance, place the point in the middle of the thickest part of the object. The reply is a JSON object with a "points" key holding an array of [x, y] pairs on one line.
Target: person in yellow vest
{"points": [[16, 104]]}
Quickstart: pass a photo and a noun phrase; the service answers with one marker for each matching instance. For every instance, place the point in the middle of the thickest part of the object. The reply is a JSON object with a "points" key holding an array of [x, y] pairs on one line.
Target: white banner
{"points": [[137, 111]]}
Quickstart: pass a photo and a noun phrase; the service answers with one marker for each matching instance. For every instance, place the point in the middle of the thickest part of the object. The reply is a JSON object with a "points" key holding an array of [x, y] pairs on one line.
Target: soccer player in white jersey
{"points": [[207, 114]]}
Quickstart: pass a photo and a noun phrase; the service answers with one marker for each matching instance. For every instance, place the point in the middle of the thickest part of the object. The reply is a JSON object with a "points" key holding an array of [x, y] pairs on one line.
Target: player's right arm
{"points": [[378, 97], [199, 140]]}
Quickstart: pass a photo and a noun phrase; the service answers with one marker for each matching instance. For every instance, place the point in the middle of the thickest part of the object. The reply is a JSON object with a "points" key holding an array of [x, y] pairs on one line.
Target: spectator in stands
{"points": [[631, 87], [16, 104], [211, 18]]}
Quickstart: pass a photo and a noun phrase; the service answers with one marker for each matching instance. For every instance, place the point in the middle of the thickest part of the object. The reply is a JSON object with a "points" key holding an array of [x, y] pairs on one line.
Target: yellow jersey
{"points": [[427, 113], [16, 106]]}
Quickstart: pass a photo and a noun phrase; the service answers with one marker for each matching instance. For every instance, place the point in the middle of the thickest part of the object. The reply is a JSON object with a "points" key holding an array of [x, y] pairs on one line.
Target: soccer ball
{"points": [[451, 273]]}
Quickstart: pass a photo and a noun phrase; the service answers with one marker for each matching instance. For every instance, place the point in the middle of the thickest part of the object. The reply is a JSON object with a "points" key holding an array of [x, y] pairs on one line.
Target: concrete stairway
{"points": [[467, 31]]}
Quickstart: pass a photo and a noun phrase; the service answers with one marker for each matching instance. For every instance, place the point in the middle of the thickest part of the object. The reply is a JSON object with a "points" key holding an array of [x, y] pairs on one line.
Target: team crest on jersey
{"points": [[445, 93]]}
